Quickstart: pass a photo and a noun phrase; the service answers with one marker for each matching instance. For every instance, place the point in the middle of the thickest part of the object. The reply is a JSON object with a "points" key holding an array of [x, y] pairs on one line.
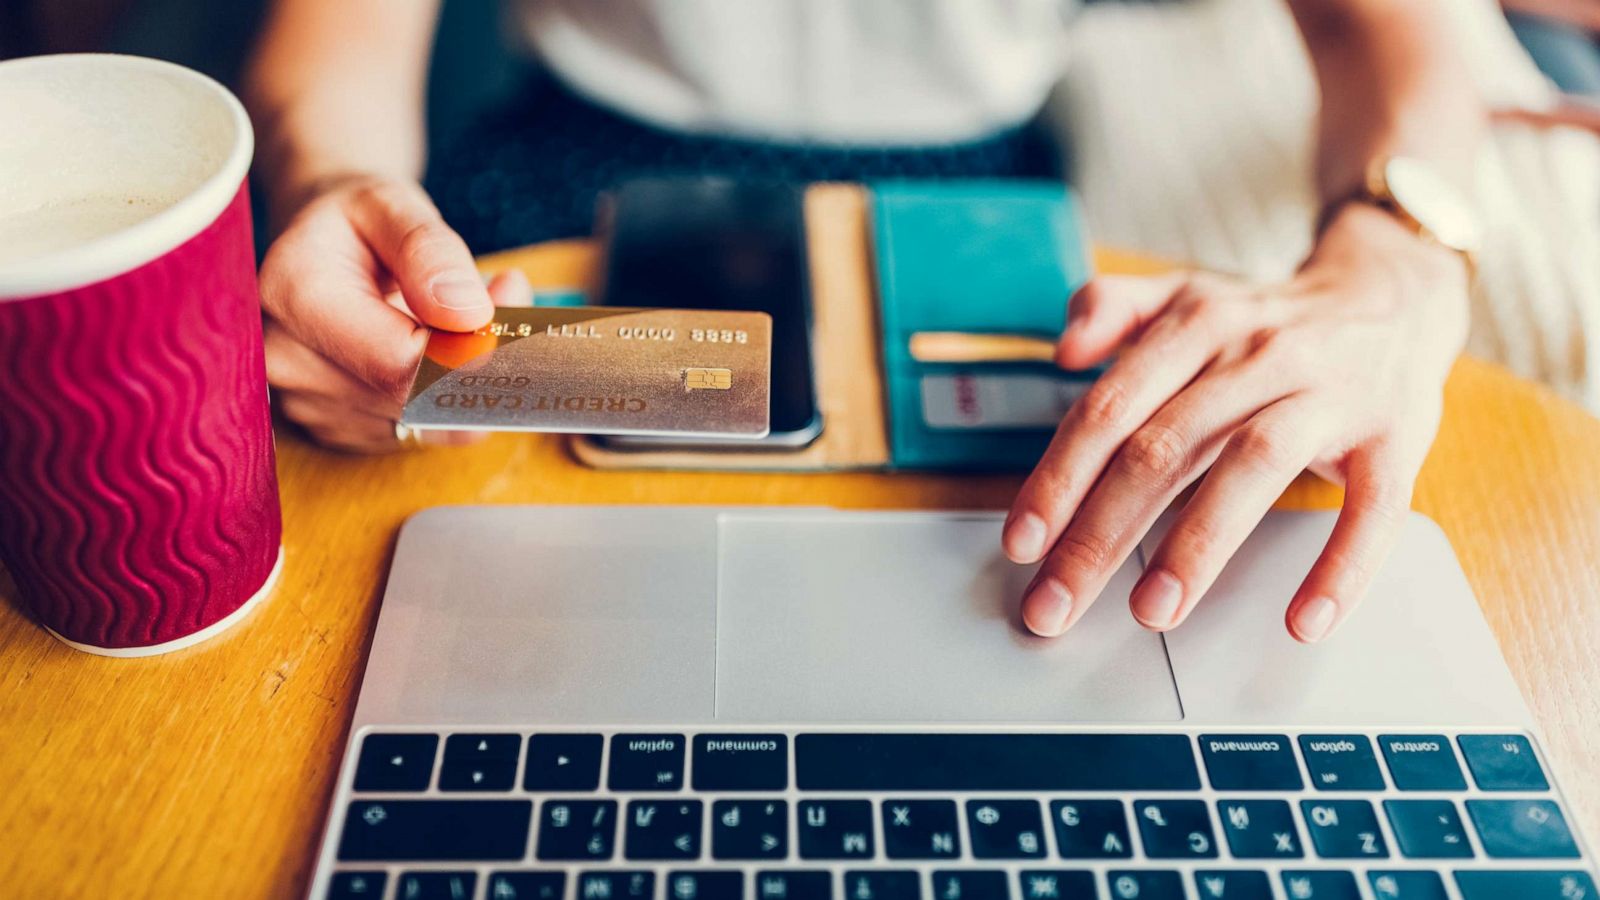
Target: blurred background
{"points": [[1187, 124]]}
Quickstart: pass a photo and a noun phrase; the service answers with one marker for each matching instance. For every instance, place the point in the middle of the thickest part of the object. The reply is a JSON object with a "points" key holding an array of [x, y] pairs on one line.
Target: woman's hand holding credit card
{"points": [[363, 268], [599, 370]]}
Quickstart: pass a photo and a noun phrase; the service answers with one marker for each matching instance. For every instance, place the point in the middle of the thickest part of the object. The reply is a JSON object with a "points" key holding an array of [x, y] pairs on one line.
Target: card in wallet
{"points": [[975, 256]]}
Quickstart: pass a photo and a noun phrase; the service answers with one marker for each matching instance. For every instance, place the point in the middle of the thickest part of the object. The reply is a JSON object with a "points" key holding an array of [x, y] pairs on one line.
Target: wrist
{"points": [[295, 165], [1357, 229], [1371, 266], [1419, 195], [295, 183]]}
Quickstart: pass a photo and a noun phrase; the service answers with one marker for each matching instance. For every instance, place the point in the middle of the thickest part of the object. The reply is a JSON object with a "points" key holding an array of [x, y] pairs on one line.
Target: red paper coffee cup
{"points": [[138, 492]]}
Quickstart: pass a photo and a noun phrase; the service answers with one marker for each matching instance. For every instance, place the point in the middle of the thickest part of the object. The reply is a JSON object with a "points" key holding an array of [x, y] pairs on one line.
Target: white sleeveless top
{"points": [[839, 71]]}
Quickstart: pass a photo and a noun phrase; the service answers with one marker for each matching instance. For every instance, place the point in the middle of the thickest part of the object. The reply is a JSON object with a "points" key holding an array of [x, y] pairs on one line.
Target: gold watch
{"points": [[1414, 192]]}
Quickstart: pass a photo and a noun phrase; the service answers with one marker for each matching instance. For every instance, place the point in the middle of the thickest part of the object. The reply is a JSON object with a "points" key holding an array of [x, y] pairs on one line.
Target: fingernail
{"points": [[1314, 619], [1048, 606], [460, 293], [1025, 538], [516, 280], [1156, 599]]}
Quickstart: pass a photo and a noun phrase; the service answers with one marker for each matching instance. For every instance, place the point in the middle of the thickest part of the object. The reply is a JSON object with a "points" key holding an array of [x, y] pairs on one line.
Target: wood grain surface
{"points": [[206, 773]]}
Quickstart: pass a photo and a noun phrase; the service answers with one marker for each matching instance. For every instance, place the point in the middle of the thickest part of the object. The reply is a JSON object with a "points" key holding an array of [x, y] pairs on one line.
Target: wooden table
{"points": [[206, 773]]}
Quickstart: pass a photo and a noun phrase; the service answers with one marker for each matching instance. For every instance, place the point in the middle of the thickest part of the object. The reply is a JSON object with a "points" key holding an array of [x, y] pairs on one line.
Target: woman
{"points": [[1236, 385]]}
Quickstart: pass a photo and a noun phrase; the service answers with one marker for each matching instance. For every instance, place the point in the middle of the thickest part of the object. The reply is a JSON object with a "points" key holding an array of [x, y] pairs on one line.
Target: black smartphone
{"points": [[700, 243]]}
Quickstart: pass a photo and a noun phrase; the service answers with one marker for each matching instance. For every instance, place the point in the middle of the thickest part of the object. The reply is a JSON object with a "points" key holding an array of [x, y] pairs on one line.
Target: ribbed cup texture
{"points": [[138, 491]]}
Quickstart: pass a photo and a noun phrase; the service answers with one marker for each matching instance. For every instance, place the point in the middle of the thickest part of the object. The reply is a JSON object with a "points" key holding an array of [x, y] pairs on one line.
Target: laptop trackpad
{"points": [[836, 617]]}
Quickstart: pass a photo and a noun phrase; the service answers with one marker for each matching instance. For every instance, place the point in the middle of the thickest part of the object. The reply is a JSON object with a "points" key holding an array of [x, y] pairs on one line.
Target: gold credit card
{"points": [[599, 370]]}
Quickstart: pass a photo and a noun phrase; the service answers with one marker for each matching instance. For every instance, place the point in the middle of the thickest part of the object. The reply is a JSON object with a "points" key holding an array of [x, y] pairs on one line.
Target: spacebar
{"points": [[995, 762]]}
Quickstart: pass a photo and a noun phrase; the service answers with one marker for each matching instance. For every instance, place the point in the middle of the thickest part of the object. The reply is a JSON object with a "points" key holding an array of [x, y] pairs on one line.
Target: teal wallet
{"points": [[975, 256]]}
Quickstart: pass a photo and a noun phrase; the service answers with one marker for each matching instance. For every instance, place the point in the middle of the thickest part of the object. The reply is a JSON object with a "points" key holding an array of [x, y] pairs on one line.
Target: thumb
{"points": [[430, 262], [1108, 311]]}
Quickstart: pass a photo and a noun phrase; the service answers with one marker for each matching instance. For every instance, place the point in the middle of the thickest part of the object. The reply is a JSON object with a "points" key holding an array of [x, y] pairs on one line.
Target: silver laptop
{"points": [[609, 703]]}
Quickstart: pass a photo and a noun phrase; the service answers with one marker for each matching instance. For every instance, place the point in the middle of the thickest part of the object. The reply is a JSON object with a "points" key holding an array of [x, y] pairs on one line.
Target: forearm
{"points": [[1392, 83], [338, 87]]}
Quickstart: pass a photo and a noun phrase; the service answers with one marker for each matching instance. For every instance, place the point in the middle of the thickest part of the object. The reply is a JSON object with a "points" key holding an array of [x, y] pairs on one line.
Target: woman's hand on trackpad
{"points": [[1241, 387]]}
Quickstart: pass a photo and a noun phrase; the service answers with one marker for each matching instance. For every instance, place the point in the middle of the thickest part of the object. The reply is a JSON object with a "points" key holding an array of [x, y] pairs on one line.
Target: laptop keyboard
{"points": [[951, 816]]}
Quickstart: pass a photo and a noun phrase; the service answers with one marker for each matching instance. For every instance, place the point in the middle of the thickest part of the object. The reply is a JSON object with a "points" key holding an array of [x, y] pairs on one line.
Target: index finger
{"points": [[1171, 351], [336, 311]]}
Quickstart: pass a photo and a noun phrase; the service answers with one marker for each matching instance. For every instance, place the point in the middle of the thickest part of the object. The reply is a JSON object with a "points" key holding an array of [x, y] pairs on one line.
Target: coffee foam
{"points": [[55, 227], [94, 146]]}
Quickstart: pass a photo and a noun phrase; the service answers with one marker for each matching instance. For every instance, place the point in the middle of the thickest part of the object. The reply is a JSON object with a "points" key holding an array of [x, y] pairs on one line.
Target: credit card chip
{"points": [[698, 379]]}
